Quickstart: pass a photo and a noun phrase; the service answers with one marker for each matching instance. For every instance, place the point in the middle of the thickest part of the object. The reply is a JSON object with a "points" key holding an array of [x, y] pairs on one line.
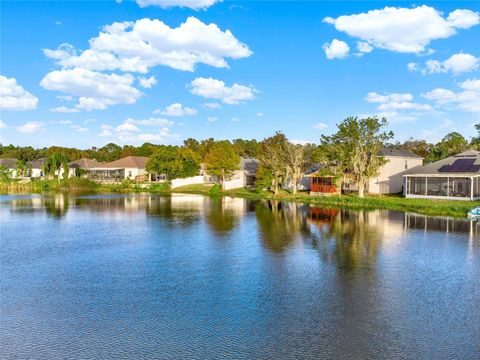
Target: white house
{"points": [[11, 165], [36, 168], [74, 167], [130, 167]]}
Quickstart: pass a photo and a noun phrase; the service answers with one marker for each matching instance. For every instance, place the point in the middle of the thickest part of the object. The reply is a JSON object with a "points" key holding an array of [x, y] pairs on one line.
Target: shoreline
{"points": [[453, 208]]}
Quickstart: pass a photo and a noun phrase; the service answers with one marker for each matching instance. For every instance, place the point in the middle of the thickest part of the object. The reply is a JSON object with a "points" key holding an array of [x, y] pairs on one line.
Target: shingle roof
{"points": [[386, 152], [9, 163], [84, 164], [434, 167], [36, 164], [138, 162]]}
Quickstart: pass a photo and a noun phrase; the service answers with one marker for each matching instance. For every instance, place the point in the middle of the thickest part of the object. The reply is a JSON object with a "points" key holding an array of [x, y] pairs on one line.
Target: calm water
{"points": [[192, 277]]}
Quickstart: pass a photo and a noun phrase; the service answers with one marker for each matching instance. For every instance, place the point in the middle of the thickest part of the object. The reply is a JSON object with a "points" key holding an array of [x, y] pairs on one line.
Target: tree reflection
{"points": [[179, 211], [223, 216], [56, 205], [280, 224], [351, 239]]}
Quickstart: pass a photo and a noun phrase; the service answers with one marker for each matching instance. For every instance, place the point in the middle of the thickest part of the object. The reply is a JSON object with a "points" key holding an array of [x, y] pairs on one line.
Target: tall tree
{"points": [[357, 144], [54, 164], [296, 162], [272, 158], [453, 143], [174, 162], [221, 160]]}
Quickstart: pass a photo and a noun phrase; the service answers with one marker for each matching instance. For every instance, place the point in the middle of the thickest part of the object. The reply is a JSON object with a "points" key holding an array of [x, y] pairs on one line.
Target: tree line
{"points": [[351, 154]]}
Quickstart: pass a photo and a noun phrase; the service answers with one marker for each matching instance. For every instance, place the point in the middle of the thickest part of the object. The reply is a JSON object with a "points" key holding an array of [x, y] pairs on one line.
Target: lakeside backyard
{"points": [[454, 208]]}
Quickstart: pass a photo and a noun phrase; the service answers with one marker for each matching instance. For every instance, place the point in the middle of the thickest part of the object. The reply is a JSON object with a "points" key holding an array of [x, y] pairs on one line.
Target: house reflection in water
{"points": [[442, 224]]}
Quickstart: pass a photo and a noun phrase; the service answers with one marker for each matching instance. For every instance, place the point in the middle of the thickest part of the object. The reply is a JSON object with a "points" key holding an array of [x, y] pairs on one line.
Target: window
{"points": [[130, 174]]}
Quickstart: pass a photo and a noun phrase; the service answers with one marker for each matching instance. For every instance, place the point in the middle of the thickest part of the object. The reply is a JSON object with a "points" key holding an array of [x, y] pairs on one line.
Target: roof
{"points": [[84, 164], [36, 164], [250, 165], [9, 163], [446, 167], [138, 162], [396, 152]]}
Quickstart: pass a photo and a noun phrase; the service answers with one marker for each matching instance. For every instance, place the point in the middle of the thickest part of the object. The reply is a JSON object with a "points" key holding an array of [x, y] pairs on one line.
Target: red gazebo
{"points": [[322, 185]]}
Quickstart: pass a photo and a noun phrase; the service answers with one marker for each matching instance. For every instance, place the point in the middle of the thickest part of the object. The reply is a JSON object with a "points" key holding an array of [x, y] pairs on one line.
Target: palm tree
{"points": [[54, 163]]}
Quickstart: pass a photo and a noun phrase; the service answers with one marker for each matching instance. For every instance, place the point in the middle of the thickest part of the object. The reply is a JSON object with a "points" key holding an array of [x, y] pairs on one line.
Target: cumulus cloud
{"points": [[213, 105], [131, 130], [140, 45], [455, 64], [14, 97], [337, 49], [30, 127], [64, 109], [165, 4], [468, 99], [95, 91], [211, 119], [320, 126], [395, 101], [216, 89], [2, 124], [364, 47], [147, 83], [176, 109], [404, 30]]}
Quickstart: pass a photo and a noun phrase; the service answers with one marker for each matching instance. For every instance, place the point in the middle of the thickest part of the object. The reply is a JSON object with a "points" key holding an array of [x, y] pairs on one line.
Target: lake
{"points": [[187, 276]]}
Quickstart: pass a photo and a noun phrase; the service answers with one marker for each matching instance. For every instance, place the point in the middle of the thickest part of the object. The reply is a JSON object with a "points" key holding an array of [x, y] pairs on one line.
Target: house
{"points": [[36, 168], [11, 165], [130, 167], [456, 177], [77, 167], [388, 181], [245, 175]]}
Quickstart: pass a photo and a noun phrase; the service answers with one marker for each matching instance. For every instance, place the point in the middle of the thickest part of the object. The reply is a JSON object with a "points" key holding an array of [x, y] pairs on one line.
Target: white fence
{"points": [[234, 184], [188, 181]]}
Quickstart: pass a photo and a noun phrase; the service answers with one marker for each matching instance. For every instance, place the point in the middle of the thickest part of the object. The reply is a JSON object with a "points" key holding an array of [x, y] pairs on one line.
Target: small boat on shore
{"points": [[474, 213]]}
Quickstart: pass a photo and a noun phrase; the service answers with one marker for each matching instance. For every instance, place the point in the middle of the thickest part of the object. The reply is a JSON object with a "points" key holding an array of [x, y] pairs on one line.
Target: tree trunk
{"points": [[294, 187], [361, 187], [275, 186], [223, 180]]}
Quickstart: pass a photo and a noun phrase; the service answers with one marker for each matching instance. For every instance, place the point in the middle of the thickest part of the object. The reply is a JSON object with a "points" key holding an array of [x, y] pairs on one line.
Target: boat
{"points": [[474, 213]]}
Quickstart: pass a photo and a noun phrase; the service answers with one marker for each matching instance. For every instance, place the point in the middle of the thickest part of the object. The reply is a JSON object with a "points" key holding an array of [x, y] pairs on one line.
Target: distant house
{"points": [[11, 165], [456, 177], [130, 167], [75, 168], [388, 181], [36, 168]]}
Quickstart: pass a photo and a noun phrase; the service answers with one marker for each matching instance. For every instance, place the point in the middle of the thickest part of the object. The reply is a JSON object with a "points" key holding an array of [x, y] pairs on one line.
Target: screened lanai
{"points": [[456, 177]]}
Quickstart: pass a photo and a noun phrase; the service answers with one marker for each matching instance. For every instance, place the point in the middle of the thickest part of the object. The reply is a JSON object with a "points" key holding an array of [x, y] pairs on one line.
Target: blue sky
{"points": [[87, 73]]}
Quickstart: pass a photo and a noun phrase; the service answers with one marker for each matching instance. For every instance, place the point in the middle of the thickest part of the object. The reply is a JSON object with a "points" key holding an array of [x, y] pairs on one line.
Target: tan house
{"points": [[130, 167], [75, 167]]}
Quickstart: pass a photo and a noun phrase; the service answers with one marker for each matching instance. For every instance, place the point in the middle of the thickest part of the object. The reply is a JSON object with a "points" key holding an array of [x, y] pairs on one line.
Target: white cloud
{"points": [[165, 4], [320, 126], [301, 142], [337, 49], [140, 45], [79, 128], [395, 102], [64, 122], [64, 97], [2, 124], [211, 119], [89, 120], [147, 83], [106, 130], [96, 91], [216, 89], [150, 122], [126, 127], [213, 105], [364, 47], [412, 66], [404, 30], [468, 99], [30, 127], [64, 109], [176, 109], [234, 119], [456, 64], [14, 97], [259, 114]]}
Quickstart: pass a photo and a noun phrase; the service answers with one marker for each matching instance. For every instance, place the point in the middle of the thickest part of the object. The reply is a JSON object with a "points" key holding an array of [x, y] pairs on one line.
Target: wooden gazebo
{"points": [[322, 184]]}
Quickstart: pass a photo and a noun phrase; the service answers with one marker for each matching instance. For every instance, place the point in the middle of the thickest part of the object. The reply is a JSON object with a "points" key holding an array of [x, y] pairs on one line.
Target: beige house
{"points": [[130, 167], [390, 177], [76, 167]]}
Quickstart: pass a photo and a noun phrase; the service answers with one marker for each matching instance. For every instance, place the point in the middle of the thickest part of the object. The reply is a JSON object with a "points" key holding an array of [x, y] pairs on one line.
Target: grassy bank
{"points": [[455, 208], [391, 202]]}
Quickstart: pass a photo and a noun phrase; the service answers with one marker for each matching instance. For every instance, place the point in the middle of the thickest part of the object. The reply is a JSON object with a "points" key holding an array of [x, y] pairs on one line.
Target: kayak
{"points": [[474, 213]]}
